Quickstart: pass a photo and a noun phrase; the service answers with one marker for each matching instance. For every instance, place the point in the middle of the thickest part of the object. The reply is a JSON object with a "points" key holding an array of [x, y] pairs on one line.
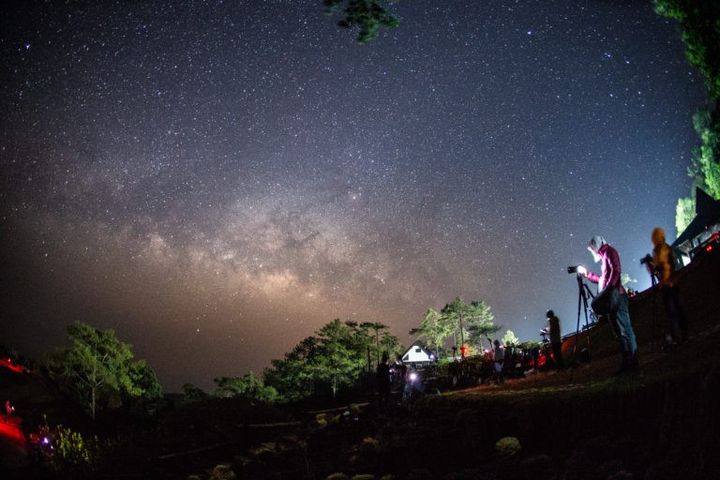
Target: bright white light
{"points": [[413, 376]]}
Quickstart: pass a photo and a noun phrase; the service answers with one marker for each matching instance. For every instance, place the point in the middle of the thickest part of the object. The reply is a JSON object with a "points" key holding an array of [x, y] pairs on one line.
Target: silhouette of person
{"points": [[553, 327], [383, 380]]}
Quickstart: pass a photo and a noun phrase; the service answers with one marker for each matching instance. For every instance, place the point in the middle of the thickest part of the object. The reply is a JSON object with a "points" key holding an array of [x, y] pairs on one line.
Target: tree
{"points": [[191, 393], [510, 339], [453, 313], [248, 386], [291, 375], [376, 327], [99, 369], [700, 24], [332, 360], [684, 213], [144, 378], [473, 320], [480, 322], [368, 15], [705, 163], [434, 329]]}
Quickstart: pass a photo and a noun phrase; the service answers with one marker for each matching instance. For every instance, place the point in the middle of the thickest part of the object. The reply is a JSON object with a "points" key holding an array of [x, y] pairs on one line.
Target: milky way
{"points": [[215, 180]]}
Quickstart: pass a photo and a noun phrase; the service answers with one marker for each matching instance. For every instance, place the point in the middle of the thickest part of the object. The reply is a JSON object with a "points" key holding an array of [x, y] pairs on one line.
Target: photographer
{"points": [[553, 327], [611, 300], [663, 265], [499, 361]]}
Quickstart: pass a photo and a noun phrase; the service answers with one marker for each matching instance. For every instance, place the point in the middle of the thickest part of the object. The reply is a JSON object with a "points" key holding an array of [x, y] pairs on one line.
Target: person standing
{"points": [[612, 300], [383, 380], [663, 264], [499, 361], [553, 327]]}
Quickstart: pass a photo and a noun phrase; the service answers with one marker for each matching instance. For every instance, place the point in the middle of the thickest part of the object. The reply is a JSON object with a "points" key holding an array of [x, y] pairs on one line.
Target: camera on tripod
{"points": [[578, 269], [647, 260], [544, 335]]}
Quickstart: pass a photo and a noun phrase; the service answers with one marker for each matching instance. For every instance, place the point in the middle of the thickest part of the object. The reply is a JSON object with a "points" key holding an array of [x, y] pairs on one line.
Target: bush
{"points": [[508, 447], [70, 447], [337, 476], [223, 472]]}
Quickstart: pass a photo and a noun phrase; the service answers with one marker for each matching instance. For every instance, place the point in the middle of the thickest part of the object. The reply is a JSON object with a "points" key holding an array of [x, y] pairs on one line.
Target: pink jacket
{"points": [[610, 265]]}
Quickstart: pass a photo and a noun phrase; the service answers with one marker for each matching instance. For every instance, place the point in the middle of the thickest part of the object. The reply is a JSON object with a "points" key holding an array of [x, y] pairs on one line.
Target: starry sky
{"points": [[215, 180]]}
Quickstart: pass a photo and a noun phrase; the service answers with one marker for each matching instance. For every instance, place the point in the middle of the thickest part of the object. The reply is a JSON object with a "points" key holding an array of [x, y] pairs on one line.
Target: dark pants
{"points": [[677, 324], [557, 353], [613, 304]]}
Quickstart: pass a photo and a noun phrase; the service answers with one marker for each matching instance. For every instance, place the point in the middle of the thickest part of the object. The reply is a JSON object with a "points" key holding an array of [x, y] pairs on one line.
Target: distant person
{"points": [[553, 328], [663, 264], [611, 300], [498, 361], [383, 380], [535, 354], [401, 372]]}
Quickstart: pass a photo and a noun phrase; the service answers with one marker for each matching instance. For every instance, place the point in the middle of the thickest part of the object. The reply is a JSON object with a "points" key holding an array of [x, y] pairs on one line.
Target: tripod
{"points": [[583, 293]]}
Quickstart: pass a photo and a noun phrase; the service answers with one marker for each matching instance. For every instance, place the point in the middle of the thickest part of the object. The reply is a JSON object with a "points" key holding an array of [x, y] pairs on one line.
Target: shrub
{"points": [[508, 447], [70, 448], [222, 472], [337, 476]]}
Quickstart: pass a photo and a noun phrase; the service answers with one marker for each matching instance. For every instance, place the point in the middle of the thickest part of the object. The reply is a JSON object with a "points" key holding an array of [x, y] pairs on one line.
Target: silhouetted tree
{"points": [[191, 393]]}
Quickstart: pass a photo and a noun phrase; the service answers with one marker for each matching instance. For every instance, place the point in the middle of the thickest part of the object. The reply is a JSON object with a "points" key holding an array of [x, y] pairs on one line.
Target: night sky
{"points": [[215, 180]]}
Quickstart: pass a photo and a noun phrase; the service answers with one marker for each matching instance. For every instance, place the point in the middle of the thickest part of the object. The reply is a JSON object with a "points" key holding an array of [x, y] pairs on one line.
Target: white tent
{"points": [[417, 355]]}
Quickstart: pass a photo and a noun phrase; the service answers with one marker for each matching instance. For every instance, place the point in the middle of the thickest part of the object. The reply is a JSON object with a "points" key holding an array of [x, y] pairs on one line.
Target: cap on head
{"points": [[658, 236], [596, 242], [550, 314]]}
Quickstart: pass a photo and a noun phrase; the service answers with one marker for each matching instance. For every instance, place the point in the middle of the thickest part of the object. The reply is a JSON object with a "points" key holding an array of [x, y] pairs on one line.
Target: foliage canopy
{"points": [[334, 359], [248, 386], [368, 15], [700, 25], [99, 370], [470, 322]]}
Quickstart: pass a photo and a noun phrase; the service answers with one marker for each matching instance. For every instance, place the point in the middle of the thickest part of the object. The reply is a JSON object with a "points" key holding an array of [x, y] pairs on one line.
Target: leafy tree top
{"points": [[333, 359], [367, 15], [700, 23], [99, 368]]}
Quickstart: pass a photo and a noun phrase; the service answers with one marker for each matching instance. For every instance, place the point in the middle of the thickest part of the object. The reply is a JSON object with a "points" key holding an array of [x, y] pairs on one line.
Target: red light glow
{"points": [[7, 362], [11, 430]]}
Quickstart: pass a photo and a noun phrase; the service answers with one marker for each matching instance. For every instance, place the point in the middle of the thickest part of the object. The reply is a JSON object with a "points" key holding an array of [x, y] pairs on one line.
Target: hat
{"points": [[596, 242], [658, 236]]}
